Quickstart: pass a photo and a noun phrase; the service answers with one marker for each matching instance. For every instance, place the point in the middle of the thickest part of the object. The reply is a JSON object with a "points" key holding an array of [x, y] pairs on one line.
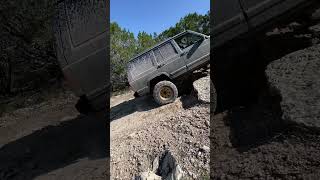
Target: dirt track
{"points": [[52, 141]]}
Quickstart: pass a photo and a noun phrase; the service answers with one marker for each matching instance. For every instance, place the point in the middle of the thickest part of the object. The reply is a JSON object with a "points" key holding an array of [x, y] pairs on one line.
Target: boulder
{"points": [[296, 78], [166, 167], [202, 89]]}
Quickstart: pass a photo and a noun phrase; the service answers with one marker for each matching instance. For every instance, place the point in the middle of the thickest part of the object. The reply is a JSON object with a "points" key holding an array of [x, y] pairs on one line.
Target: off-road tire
{"points": [[158, 92]]}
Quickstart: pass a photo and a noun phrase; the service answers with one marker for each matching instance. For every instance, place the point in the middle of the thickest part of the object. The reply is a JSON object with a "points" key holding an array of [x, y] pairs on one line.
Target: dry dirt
{"points": [[254, 143], [51, 140]]}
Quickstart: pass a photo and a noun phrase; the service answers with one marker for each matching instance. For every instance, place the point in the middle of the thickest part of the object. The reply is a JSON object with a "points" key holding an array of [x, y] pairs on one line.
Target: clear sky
{"points": [[153, 15]]}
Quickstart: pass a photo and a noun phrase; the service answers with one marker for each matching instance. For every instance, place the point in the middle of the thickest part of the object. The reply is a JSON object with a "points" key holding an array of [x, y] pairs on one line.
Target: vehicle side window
{"points": [[165, 52], [187, 40], [141, 64], [150, 58], [158, 55]]}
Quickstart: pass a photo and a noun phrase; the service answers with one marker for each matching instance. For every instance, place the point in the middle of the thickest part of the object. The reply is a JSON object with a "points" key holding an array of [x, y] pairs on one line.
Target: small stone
{"points": [[148, 176], [207, 123], [155, 164], [205, 148], [131, 136], [192, 160]]}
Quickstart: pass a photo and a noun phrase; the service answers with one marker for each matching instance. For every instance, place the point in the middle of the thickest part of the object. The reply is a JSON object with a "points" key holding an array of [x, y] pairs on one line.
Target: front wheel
{"points": [[165, 92]]}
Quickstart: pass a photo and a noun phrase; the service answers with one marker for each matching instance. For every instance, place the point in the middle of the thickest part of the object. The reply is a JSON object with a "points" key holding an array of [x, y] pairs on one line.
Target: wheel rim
{"points": [[166, 93]]}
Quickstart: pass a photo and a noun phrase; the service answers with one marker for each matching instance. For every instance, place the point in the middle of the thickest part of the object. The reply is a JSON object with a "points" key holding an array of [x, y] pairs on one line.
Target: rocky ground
{"points": [[143, 131], [277, 137], [296, 78], [252, 143]]}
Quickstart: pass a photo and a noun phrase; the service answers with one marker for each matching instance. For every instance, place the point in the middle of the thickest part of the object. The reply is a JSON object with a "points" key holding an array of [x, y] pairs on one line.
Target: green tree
{"points": [[193, 21], [144, 41], [123, 47]]}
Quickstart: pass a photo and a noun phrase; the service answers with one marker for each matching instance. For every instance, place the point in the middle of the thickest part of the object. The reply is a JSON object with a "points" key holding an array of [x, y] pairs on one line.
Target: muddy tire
{"points": [[165, 92]]}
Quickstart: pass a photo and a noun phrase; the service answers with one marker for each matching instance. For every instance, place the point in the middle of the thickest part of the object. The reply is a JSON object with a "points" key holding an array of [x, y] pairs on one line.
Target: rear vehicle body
{"points": [[168, 60], [233, 18], [82, 50], [238, 33]]}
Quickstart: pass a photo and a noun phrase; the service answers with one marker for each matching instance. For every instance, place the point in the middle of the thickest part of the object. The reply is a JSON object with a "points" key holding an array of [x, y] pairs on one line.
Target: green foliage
{"points": [[27, 55], [145, 41], [124, 45], [195, 22]]}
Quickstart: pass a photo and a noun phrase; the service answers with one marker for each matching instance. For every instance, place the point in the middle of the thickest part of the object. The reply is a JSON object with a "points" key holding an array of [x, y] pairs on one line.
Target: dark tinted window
{"points": [[187, 40], [141, 64], [158, 55]]}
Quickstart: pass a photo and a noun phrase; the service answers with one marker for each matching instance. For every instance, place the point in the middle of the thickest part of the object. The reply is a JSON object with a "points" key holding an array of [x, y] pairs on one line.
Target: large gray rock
{"points": [[296, 77], [166, 166], [202, 89]]}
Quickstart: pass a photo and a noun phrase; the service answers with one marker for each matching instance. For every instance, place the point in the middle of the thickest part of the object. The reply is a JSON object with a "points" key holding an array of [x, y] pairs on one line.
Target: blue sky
{"points": [[153, 15]]}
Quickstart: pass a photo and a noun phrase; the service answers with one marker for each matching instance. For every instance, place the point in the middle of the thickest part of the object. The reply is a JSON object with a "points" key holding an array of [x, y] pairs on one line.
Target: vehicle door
{"points": [[81, 42], [228, 21], [262, 11], [168, 59], [193, 49]]}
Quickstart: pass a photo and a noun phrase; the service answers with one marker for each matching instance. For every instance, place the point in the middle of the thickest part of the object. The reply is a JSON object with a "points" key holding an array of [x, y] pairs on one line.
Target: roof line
{"points": [[162, 42]]}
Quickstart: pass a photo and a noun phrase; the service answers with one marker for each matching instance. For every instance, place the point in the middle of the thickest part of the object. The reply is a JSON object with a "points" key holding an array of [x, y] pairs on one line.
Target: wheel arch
{"points": [[160, 77]]}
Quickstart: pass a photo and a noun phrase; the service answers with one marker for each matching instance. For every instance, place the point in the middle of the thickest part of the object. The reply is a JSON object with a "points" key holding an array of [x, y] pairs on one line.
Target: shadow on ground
{"points": [[54, 147], [254, 125], [126, 108]]}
